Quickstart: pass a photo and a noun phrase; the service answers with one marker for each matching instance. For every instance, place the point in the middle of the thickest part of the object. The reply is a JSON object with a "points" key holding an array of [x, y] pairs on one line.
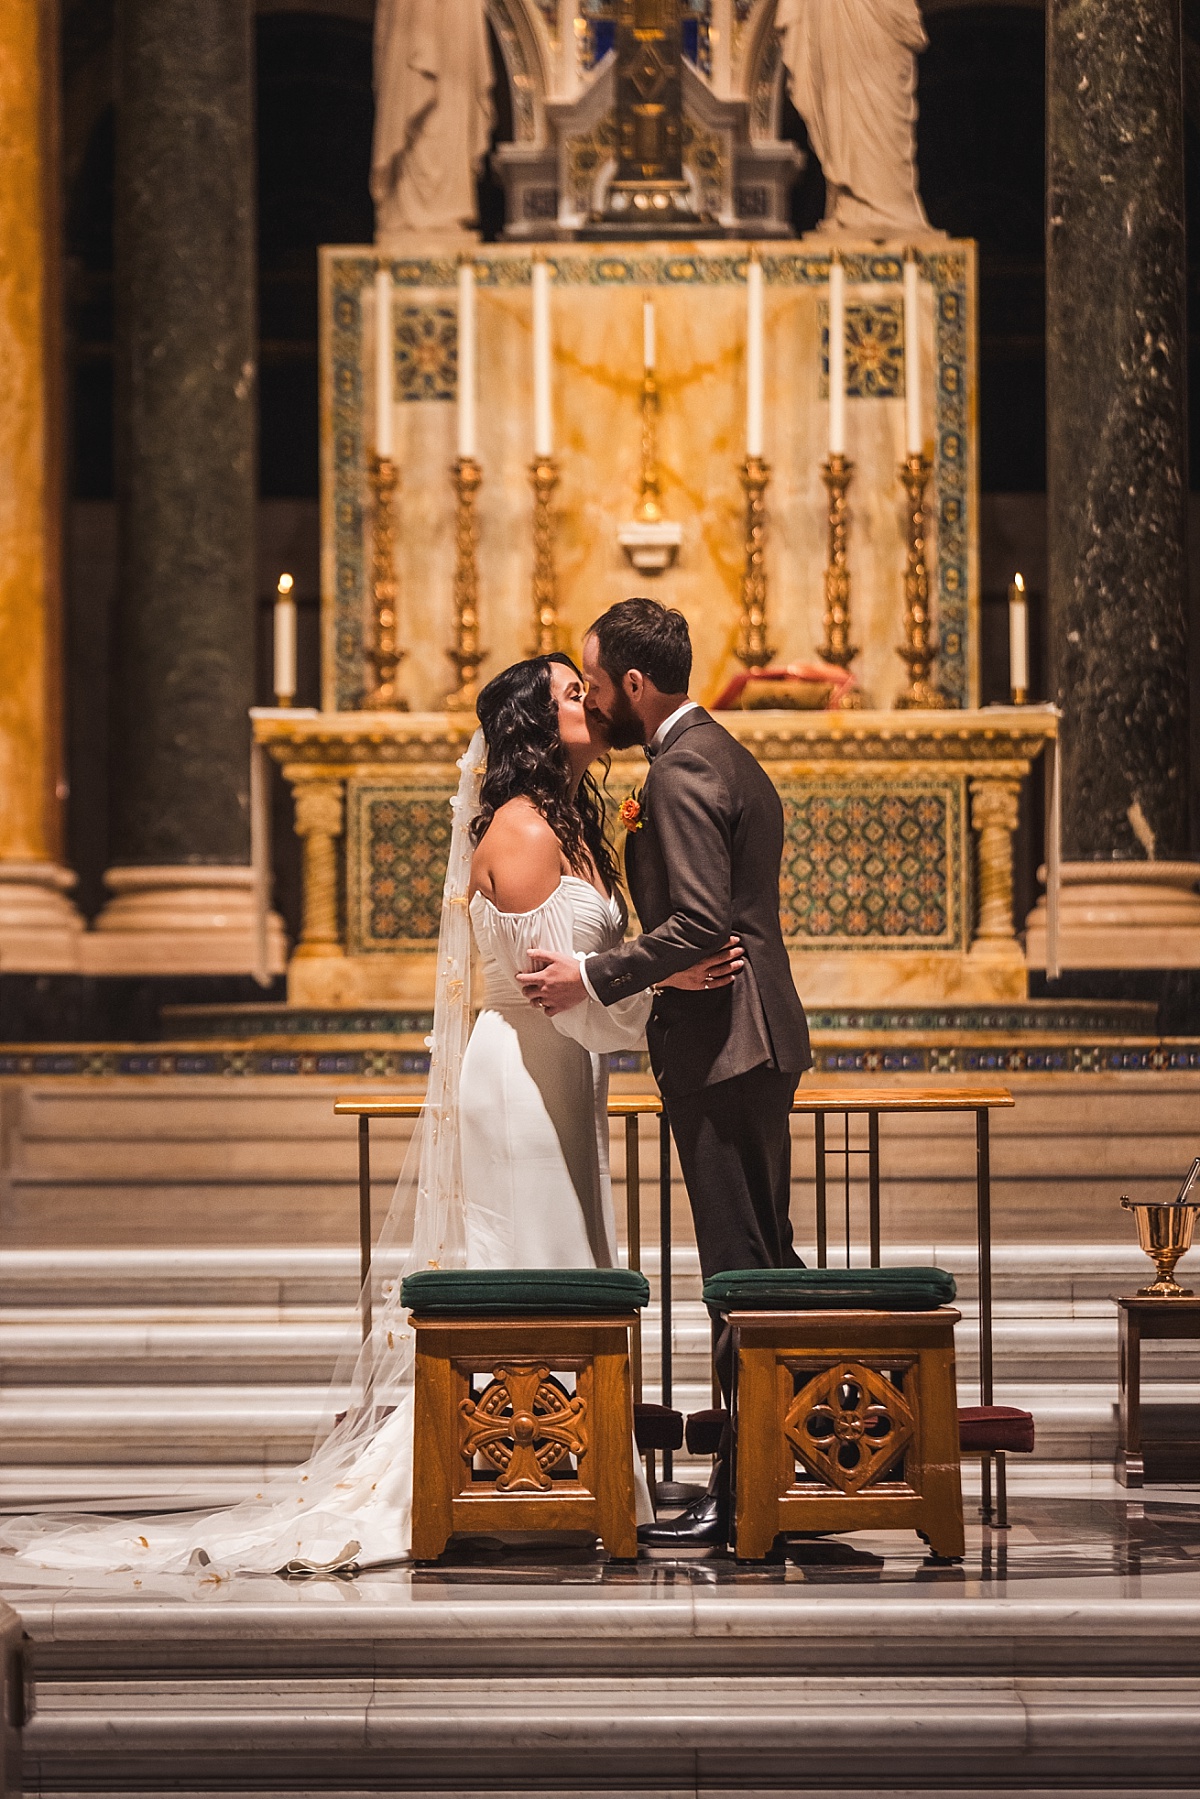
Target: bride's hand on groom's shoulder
{"points": [[715, 971]]}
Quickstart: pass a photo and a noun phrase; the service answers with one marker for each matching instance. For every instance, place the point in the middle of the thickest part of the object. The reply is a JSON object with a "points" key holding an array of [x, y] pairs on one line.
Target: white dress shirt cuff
{"points": [[582, 958]]}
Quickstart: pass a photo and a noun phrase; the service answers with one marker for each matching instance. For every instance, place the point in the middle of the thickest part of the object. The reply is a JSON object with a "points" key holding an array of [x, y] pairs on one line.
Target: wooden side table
{"points": [[1150, 1319]]}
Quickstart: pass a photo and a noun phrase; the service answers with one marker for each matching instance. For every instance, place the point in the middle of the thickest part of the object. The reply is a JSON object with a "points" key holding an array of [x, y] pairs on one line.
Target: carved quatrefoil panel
{"points": [[848, 1425], [525, 1424]]}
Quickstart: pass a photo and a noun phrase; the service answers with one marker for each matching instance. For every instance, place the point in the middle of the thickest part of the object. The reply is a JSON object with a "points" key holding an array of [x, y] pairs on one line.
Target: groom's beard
{"points": [[621, 725]]}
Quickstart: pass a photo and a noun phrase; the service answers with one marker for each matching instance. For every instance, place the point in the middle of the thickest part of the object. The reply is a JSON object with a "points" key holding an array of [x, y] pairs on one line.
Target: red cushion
{"points": [[705, 1430], [657, 1427], [984, 1429]]}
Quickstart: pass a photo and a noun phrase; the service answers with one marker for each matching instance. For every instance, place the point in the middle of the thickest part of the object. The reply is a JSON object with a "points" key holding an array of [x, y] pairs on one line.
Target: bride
{"points": [[508, 1166]]}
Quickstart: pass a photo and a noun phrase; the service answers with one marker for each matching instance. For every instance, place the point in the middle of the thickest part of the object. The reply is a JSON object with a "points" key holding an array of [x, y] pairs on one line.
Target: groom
{"points": [[702, 861]]}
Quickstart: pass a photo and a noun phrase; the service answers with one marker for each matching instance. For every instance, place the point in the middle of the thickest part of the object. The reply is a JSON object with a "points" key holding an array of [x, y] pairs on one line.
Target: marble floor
{"points": [[1062, 1655]]}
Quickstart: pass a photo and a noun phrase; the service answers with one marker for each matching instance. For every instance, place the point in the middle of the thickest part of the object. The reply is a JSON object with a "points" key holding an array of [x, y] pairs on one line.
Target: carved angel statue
{"points": [[852, 75], [433, 114]]}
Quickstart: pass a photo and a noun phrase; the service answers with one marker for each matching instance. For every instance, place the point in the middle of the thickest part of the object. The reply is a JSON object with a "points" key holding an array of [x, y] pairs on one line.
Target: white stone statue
{"points": [[433, 114], [852, 75]]}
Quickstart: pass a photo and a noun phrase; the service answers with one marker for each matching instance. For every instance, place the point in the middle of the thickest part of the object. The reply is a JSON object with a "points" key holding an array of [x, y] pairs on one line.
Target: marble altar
{"points": [[897, 873]]}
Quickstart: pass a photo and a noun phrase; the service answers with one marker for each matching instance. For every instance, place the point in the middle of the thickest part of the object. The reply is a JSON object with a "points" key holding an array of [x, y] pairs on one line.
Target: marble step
{"points": [[138, 1487], [102, 1346], [76, 1426], [197, 1275], [748, 1733], [384, 1686]]}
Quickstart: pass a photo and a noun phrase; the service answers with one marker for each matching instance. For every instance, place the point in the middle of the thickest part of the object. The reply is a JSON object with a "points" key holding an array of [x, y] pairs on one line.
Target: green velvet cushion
{"points": [[523, 1292], [831, 1289]]}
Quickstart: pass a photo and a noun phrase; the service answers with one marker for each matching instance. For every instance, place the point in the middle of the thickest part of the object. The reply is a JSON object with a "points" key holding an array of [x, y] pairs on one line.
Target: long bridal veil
{"points": [[350, 1503]]}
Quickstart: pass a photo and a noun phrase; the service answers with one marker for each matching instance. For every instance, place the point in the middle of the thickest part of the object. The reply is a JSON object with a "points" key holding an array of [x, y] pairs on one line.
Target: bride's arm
{"points": [[551, 926]]}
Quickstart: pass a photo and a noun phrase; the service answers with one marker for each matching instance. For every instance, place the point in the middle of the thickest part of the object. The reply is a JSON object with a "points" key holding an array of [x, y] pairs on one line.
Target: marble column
{"points": [[184, 665], [1116, 341], [39, 928]]}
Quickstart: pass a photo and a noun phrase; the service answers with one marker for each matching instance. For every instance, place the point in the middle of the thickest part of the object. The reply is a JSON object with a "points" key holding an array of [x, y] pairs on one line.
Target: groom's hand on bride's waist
{"points": [[554, 983]]}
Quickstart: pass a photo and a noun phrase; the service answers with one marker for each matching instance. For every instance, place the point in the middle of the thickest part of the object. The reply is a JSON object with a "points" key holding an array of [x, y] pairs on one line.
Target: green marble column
{"points": [[185, 263], [1116, 343], [183, 672]]}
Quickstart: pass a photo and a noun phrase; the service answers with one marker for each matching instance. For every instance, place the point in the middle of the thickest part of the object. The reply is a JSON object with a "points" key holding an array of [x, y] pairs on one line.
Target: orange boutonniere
{"points": [[630, 813]]}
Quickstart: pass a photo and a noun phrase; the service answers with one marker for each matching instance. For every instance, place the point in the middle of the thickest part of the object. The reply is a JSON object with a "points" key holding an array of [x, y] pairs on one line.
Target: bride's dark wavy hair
{"points": [[526, 759]]}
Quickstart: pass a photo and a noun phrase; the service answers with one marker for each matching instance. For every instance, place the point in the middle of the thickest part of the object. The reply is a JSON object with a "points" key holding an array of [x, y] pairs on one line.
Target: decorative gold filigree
{"points": [[836, 473], [524, 1424], [543, 473], [753, 650], [466, 654], [849, 1425], [385, 653], [919, 648]]}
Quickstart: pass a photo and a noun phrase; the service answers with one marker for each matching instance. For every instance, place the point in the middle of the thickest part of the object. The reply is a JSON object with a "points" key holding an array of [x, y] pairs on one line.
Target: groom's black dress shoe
{"points": [[704, 1523]]}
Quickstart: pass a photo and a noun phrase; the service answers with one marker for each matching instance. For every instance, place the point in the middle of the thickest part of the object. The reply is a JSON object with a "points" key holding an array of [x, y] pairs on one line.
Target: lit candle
{"points": [[1018, 641], [466, 359], [543, 435], [837, 356], [648, 340], [385, 438], [754, 358], [913, 442], [285, 642]]}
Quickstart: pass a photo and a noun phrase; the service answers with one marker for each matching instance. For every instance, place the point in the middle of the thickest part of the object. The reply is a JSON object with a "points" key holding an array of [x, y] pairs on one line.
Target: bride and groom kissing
{"points": [[508, 1168], [708, 979]]}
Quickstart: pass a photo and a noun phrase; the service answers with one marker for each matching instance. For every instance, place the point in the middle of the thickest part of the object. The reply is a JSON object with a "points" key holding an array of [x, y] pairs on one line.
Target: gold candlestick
{"points": [[919, 648], [466, 654], [385, 654], [649, 510], [543, 473], [836, 473], [753, 651]]}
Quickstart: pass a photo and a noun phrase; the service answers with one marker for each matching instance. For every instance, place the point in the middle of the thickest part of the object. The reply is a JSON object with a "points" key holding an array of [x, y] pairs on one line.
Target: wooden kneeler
{"points": [[845, 1417], [523, 1405]]}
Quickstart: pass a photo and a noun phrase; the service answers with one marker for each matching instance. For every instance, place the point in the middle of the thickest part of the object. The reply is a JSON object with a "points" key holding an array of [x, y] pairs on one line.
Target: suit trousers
{"points": [[735, 1151]]}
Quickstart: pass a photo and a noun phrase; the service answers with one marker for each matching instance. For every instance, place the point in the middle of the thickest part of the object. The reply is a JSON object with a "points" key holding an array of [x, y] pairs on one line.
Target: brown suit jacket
{"points": [[705, 863]]}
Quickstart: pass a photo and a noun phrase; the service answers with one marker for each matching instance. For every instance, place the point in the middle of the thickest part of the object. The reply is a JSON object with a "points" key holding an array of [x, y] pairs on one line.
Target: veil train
{"points": [[350, 1504]]}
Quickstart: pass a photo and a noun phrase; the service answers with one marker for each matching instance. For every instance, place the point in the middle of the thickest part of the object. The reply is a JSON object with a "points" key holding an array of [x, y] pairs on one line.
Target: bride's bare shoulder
{"points": [[519, 861]]}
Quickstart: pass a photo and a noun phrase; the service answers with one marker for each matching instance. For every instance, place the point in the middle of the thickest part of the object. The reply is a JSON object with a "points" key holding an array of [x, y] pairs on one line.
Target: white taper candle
{"points": [[466, 359], [543, 433], [837, 357], [754, 358], [913, 441], [285, 641], [649, 343], [385, 436], [1018, 638]]}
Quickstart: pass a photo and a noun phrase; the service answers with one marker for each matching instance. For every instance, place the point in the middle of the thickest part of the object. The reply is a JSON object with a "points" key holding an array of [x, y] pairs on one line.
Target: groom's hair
{"points": [[644, 635]]}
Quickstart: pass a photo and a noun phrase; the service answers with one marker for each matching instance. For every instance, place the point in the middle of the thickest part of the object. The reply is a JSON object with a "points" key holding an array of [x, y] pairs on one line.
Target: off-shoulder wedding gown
{"points": [[533, 1106], [533, 1135]]}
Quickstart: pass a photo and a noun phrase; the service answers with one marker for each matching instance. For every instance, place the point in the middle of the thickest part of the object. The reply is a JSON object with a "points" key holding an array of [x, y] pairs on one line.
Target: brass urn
{"points": [[1165, 1234]]}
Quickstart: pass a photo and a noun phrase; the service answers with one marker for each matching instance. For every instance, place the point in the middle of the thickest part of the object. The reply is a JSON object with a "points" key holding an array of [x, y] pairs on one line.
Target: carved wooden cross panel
{"points": [[524, 1424]]}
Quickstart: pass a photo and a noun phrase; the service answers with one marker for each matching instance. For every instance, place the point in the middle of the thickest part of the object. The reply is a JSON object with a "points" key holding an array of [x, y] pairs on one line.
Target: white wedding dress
{"points": [[521, 1181], [533, 1105]]}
